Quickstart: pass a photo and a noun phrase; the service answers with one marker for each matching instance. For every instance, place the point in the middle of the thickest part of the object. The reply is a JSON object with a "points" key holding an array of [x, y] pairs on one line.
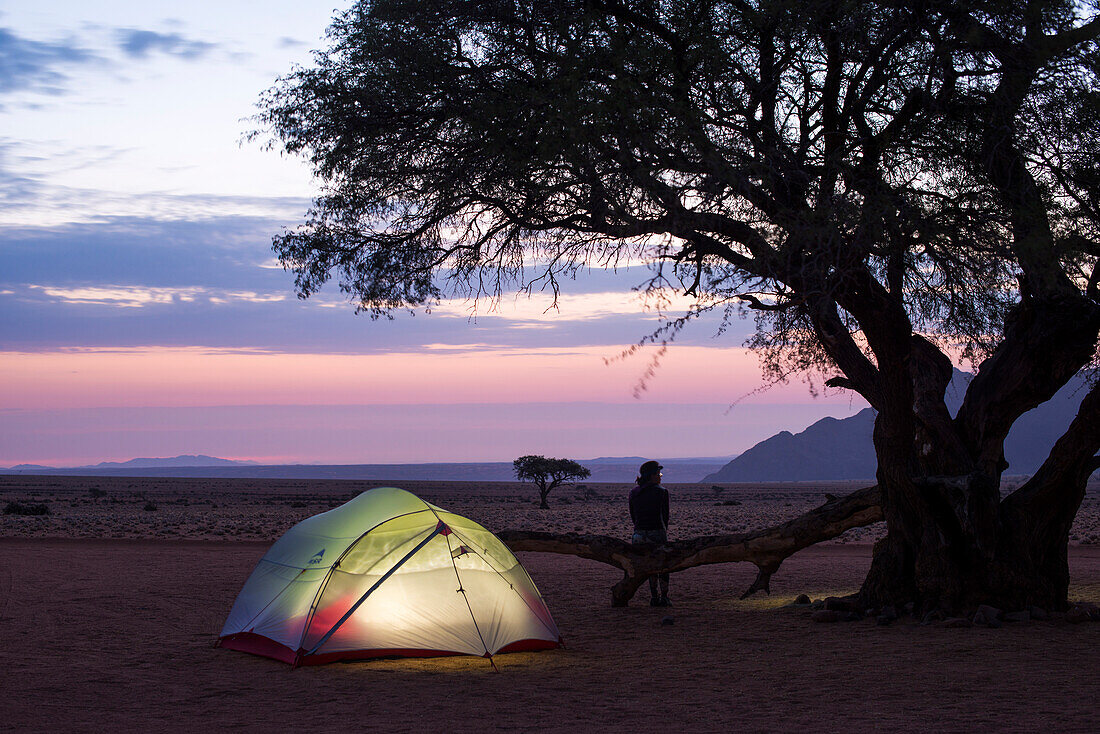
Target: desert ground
{"points": [[110, 606]]}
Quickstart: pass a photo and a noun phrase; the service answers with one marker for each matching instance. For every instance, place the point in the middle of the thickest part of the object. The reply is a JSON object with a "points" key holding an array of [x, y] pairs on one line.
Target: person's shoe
{"points": [[664, 602], [655, 601]]}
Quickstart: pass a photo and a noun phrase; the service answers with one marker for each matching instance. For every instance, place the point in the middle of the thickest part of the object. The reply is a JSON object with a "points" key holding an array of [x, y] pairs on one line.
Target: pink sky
{"points": [[92, 378], [79, 407]]}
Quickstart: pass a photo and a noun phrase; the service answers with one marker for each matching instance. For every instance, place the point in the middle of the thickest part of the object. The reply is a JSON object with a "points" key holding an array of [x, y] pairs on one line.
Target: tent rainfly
{"points": [[387, 574]]}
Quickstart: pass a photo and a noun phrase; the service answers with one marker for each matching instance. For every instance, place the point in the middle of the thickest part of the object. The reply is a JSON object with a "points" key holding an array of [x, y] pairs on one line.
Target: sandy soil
{"points": [[117, 633]]}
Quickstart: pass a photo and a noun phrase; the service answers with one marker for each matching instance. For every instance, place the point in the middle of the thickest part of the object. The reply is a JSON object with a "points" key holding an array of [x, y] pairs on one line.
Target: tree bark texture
{"points": [[953, 542], [766, 549]]}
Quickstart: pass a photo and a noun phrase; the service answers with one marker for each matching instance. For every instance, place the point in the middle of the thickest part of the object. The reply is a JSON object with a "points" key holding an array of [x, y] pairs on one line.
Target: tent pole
{"points": [[324, 583], [438, 529]]}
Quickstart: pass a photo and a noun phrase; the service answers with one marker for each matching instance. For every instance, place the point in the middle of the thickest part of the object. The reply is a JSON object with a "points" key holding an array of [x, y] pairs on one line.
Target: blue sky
{"points": [[141, 310]]}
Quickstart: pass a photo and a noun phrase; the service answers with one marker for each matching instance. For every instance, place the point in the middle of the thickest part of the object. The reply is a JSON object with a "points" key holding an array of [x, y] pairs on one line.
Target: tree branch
{"points": [[861, 375], [1045, 343], [1059, 43], [766, 548], [758, 305], [1075, 451]]}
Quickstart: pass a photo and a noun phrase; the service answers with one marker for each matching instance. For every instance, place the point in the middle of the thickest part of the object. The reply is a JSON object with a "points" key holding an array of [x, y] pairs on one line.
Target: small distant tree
{"points": [[547, 474]]}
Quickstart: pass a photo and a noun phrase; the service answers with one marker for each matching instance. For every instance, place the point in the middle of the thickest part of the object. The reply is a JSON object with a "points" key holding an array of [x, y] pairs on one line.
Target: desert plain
{"points": [[110, 606]]}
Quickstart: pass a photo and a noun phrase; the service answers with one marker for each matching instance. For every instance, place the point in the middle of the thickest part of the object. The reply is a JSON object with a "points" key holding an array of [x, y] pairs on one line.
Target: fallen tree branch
{"points": [[766, 548]]}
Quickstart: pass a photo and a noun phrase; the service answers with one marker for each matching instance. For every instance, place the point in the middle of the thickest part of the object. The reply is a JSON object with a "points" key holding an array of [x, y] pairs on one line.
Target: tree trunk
{"points": [[954, 544], [954, 572], [1036, 519], [939, 552]]}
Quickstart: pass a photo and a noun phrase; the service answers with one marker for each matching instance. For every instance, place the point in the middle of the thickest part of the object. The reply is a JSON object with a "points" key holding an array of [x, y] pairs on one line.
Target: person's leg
{"points": [[658, 595], [659, 536]]}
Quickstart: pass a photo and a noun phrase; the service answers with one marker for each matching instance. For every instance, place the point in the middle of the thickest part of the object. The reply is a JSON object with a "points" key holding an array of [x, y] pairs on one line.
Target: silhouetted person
{"points": [[649, 513]]}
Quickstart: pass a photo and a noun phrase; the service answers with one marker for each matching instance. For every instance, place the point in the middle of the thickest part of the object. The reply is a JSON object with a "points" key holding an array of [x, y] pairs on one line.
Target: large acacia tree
{"points": [[884, 183]]}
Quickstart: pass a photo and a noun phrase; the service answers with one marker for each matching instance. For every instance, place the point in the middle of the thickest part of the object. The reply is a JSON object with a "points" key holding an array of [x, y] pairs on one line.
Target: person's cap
{"points": [[650, 468]]}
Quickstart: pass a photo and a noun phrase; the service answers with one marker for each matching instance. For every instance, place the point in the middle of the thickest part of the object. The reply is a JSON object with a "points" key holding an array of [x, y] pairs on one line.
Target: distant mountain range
{"points": [[184, 460], [832, 449], [604, 469]]}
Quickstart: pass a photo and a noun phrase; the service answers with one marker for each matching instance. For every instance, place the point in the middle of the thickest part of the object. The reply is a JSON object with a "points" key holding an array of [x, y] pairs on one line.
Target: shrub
{"points": [[19, 508]]}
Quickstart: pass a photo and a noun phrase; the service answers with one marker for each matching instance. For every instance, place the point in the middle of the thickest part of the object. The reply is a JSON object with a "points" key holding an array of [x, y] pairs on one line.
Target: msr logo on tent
{"points": [[317, 557]]}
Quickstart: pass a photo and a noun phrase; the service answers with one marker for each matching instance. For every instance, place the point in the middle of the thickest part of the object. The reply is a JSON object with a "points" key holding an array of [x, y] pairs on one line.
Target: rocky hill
{"points": [[843, 449]]}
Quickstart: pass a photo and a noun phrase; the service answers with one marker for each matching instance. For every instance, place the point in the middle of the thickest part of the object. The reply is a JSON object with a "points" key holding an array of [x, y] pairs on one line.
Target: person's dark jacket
{"points": [[649, 507]]}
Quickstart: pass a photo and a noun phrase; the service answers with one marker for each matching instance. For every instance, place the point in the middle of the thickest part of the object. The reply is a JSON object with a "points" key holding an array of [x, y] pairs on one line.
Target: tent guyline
{"points": [[483, 554], [462, 590], [329, 588]]}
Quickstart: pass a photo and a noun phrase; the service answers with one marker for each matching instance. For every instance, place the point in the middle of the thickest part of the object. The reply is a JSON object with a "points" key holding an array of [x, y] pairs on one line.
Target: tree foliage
{"points": [[548, 474], [887, 186]]}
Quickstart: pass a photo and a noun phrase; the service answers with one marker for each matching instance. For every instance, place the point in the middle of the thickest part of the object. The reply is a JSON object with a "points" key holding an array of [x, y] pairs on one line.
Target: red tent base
{"points": [[255, 644]]}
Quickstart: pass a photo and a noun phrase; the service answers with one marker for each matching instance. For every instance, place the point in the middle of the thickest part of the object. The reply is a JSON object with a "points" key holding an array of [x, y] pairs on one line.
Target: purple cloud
{"points": [[35, 65], [138, 44], [131, 282]]}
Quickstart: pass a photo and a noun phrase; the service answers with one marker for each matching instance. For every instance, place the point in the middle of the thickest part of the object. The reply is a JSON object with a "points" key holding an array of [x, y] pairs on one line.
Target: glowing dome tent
{"points": [[387, 574]]}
